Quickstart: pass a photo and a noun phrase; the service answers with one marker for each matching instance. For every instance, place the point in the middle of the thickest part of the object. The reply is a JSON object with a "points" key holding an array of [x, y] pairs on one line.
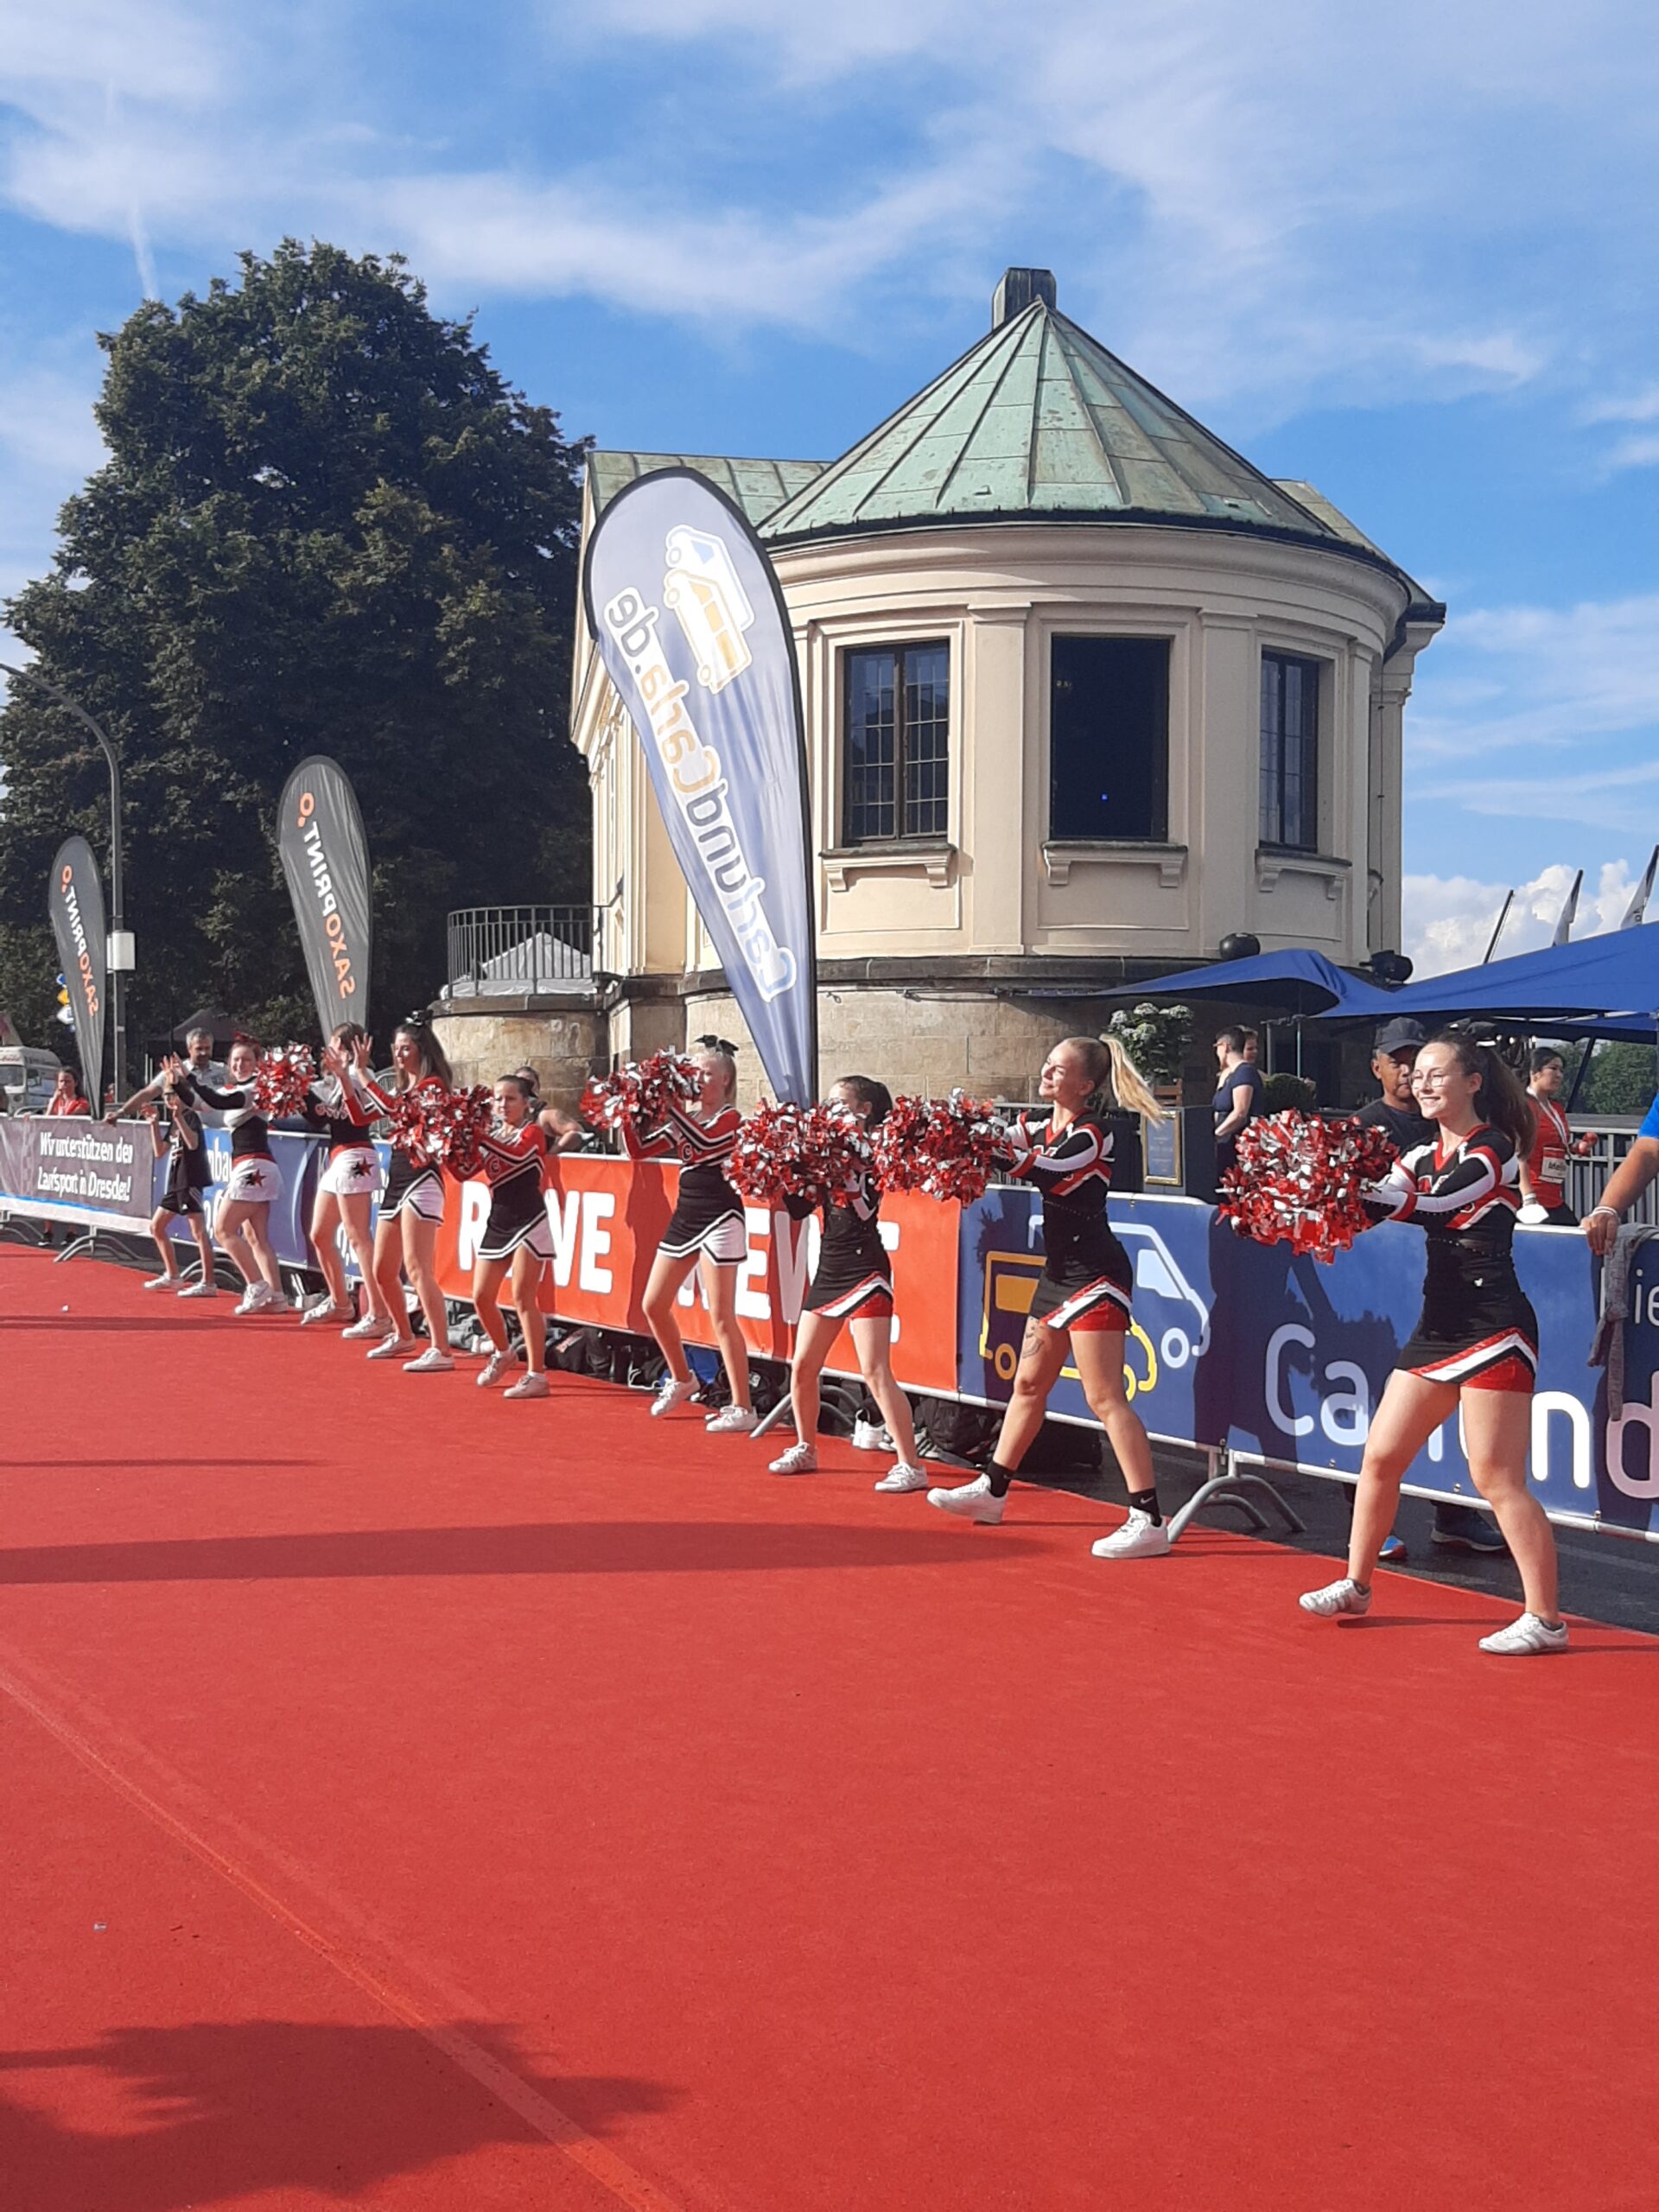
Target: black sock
{"points": [[999, 1479], [1146, 1501]]}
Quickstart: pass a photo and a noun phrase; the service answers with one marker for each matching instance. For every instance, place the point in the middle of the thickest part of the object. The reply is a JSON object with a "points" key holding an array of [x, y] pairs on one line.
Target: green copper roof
{"points": [[1039, 420], [757, 486]]}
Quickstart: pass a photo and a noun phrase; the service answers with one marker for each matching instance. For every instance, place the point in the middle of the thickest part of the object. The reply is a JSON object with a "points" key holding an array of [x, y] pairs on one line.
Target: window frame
{"points": [[899, 649], [1315, 679]]}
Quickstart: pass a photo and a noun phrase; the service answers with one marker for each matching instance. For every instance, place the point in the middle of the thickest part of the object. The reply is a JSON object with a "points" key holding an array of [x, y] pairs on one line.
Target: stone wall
{"points": [[564, 1047]]}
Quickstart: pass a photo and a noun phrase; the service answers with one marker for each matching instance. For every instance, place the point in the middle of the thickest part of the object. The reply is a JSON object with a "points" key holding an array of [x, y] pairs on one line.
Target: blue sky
{"points": [[1409, 256]]}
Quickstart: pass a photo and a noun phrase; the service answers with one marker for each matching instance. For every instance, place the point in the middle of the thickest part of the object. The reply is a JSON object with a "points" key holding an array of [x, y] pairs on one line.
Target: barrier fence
{"points": [[1235, 1349]]}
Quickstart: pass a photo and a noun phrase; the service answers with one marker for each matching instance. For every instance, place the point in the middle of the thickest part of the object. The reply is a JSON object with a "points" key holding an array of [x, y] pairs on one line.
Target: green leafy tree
{"points": [[326, 525]]}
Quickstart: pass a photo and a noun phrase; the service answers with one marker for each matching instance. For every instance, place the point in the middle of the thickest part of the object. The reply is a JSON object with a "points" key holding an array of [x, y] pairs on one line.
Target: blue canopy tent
{"points": [[1301, 981], [1617, 974]]}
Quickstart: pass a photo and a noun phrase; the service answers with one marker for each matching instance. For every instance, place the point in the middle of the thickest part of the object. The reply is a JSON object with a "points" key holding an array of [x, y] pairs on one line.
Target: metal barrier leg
{"points": [[1239, 1488], [770, 1420]]}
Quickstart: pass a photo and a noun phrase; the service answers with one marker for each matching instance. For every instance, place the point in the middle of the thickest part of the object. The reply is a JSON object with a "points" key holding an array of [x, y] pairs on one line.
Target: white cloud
{"points": [[1448, 920], [1556, 677]]}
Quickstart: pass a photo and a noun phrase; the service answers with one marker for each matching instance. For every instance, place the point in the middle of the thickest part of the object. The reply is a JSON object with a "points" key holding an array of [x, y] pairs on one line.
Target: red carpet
{"points": [[414, 1799]]}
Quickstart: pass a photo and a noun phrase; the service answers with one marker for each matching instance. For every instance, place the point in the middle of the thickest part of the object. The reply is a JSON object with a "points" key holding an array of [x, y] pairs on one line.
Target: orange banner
{"points": [[607, 1216]]}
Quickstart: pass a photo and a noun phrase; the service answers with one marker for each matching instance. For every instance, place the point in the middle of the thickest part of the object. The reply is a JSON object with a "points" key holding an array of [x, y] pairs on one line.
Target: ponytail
{"points": [[1117, 1080], [1503, 1101], [874, 1097]]}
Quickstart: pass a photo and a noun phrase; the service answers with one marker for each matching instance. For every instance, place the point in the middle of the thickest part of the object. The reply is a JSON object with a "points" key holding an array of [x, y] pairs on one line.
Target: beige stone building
{"points": [[1085, 692]]}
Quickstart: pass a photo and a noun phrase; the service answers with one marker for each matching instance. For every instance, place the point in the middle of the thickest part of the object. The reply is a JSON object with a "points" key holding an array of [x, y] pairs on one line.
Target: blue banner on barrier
{"points": [[1254, 1350], [298, 1164]]}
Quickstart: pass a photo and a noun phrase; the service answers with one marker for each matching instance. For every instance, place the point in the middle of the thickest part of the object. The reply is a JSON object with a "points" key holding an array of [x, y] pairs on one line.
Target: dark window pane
{"points": [[1109, 738], [1290, 751], [896, 760]]}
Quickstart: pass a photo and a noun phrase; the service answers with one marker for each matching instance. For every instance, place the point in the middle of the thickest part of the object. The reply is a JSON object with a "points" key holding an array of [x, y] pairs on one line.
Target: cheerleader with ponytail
{"points": [[1475, 1350], [406, 1235], [707, 1230], [852, 1283], [1082, 1304]]}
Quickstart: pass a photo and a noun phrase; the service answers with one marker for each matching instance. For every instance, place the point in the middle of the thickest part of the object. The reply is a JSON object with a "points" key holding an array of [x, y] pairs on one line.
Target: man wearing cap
{"points": [[1394, 1054]]}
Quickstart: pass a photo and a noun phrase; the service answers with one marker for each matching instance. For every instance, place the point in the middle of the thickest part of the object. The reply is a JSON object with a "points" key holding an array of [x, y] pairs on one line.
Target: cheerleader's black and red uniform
{"points": [[514, 1160], [853, 1279], [1088, 1279], [708, 1214], [1478, 1331], [254, 1179], [416, 1184], [336, 1111]]}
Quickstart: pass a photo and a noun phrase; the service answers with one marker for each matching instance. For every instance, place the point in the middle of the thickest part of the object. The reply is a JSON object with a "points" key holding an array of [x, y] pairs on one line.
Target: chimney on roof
{"points": [[1016, 291]]}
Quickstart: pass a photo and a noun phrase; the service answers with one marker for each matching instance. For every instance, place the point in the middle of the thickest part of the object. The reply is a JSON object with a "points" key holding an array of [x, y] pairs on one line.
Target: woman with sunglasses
{"points": [[1474, 1353], [706, 1231]]}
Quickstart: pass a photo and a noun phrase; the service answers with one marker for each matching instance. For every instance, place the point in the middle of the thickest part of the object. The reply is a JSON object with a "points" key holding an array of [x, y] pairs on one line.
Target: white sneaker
{"points": [[206, 1288], [871, 1436], [495, 1368], [257, 1298], [672, 1394], [324, 1312], [735, 1420], [1343, 1596], [902, 1477], [799, 1459], [392, 1348], [433, 1361], [528, 1385], [1141, 1537], [163, 1282], [368, 1329], [1530, 1634], [971, 1502]]}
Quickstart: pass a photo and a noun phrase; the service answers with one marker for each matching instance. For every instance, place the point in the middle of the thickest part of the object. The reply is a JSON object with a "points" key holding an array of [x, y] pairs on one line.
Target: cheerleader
{"points": [[516, 1237], [406, 1235], [338, 1110], [852, 1284], [240, 1224], [1082, 1303], [181, 1201], [707, 1227], [1475, 1352]]}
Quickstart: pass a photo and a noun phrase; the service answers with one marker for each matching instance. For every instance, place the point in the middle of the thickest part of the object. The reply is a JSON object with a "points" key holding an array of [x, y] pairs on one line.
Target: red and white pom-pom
{"points": [[815, 1153], [410, 1118], [453, 1129], [947, 1147], [1300, 1182], [282, 1080], [641, 1089]]}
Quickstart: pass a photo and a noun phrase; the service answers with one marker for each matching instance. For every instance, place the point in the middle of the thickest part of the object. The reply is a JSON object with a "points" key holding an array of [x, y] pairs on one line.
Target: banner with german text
{"points": [[74, 898], [692, 628], [326, 861]]}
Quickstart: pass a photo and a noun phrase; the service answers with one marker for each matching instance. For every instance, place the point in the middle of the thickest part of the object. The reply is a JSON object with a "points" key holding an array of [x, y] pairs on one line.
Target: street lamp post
{"points": [[120, 949]]}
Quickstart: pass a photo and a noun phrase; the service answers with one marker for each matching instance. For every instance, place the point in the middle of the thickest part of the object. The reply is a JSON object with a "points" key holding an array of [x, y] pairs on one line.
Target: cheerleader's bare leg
{"points": [[356, 1211], [229, 1223], [815, 1338], [1411, 1409], [487, 1279], [420, 1239], [388, 1265], [325, 1225], [662, 1290], [526, 1276], [1497, 1438], [1042, 1355], [1098, 1357], [257, 1230], [720, 1294], [873, 1341]]}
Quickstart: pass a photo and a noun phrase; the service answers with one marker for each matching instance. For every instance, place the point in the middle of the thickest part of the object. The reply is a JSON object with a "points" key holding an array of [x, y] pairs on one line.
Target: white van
{"points": [[29, 1077]]}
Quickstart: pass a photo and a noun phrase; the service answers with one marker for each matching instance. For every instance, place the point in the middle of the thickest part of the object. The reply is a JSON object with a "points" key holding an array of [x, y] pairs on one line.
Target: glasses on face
{"points": [[1429, 1078]]}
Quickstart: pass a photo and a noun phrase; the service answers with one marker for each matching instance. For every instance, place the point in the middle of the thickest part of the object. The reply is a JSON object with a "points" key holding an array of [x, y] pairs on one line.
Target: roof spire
{"points": [[1016, 291]]}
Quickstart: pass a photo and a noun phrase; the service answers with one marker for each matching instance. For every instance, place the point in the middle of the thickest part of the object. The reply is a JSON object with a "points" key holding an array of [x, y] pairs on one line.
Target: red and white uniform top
{"points": [[511, 1152], [697, 1144], [1467, 1192], [1552, 1138]]}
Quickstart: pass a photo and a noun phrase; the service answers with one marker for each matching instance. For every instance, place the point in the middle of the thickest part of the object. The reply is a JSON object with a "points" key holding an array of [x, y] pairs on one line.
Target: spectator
{"points": [[1626, 1184], [67, 1097], [1238, 1096], [1394, 1054], [199, 1061], [564, 1131], [1543, 1171], [1252, 1046]]}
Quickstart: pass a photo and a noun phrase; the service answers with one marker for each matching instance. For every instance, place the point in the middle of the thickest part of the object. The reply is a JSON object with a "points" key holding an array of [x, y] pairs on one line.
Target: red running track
{"points": [[417, 1799]]}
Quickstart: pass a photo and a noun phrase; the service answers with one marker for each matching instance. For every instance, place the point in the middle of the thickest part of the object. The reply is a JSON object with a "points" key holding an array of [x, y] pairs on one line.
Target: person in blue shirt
{"points": [[1639, 1167]]}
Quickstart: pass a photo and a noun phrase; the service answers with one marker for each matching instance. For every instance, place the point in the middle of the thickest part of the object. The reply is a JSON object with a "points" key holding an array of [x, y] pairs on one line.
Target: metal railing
{"points": [[511, 951]]}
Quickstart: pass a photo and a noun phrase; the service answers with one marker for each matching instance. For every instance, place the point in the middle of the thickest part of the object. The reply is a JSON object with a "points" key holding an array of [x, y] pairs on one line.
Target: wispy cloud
{"points": [[1449, 919], [1509, 678]]}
